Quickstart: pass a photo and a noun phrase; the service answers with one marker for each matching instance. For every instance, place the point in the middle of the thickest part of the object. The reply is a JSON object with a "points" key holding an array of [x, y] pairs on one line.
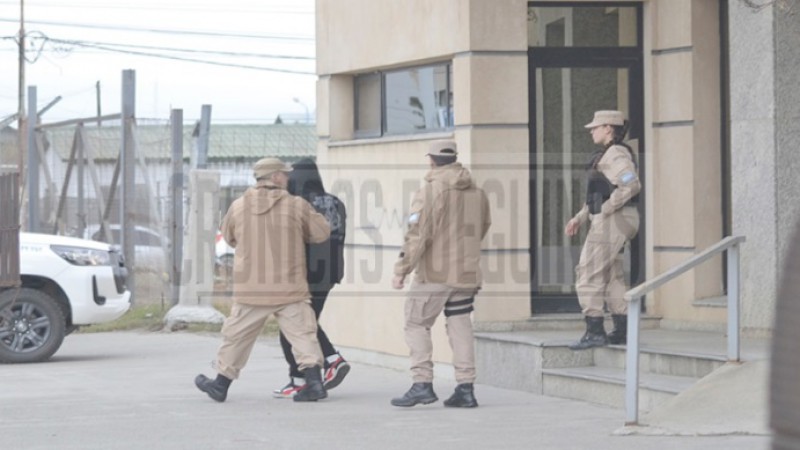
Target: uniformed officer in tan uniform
{"points": [[448, 219], [269, 229], [611, 208]]}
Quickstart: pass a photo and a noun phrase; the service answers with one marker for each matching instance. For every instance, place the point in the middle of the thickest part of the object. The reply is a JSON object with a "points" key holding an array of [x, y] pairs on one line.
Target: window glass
{"points": [[406, 101], [417, 100], [566, 100], [368, 104], [582, 26]]}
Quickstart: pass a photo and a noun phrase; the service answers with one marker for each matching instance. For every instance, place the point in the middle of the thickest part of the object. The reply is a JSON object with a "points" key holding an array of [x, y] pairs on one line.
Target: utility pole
{"points": [[21, 132], [127, 208], [34, 221], [97, 90], [22, 137]]}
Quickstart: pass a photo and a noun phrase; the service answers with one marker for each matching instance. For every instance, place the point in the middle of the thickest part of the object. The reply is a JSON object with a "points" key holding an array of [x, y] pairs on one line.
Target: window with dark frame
{"points": [[608, 25], [368, 105], [405, 101]]}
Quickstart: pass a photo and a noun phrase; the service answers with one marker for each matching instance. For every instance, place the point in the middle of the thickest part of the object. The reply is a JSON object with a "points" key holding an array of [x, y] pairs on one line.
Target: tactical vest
{"points": [[599, 187]]}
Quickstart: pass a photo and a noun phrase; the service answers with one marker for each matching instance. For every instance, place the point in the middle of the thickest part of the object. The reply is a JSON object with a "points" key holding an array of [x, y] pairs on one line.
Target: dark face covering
{"points": [[305, 180]]}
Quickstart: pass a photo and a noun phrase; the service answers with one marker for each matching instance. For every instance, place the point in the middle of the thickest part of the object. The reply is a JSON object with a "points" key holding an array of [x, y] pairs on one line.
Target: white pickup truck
{"points": [[66, 283]]}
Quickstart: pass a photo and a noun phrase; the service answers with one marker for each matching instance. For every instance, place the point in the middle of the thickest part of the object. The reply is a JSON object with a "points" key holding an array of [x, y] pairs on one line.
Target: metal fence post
{"points": [[632, 363], [34, 220], [733, 303], [127, 210], [176, 194]]}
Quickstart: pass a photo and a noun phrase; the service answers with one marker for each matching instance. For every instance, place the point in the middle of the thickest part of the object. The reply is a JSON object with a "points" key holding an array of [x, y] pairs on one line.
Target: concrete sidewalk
{"points": [[135, 390]]}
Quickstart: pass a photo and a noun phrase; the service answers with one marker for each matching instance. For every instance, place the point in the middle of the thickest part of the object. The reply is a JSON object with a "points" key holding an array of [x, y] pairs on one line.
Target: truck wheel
{"points": [[32, 326]]}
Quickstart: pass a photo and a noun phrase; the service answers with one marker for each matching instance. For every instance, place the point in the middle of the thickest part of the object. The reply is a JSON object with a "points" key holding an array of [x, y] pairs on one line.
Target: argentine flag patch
{"points": [[627, 177]]}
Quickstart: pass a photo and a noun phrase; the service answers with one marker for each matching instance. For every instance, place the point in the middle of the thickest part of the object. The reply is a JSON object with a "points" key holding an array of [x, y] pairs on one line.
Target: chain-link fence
{"points": [[80, 182]]}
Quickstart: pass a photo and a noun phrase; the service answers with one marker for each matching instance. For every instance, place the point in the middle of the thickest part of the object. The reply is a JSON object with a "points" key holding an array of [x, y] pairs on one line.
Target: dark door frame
{"points": [[631, 58]]}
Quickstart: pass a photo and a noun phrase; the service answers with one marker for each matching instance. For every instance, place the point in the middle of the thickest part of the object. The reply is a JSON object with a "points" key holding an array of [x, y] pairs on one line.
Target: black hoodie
{"points": [[325, 260]]}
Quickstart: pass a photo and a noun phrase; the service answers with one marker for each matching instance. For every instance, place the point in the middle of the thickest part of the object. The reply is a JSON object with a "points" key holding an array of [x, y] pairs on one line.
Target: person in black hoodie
{"points": [[325, 268]]}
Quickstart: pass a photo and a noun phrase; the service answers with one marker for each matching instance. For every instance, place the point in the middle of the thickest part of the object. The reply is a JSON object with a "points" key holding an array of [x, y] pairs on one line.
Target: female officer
{"points": [[613, 185]]}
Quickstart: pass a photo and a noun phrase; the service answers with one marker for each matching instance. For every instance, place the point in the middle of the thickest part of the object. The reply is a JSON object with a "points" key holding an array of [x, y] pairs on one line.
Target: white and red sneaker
{"points": [[337, 368], [289, 391]]}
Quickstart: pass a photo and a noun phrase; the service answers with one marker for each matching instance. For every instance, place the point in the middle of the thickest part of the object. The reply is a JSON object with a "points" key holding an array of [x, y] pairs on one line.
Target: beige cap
{"points": [[607, 118], [442, 148], [265, 166]]}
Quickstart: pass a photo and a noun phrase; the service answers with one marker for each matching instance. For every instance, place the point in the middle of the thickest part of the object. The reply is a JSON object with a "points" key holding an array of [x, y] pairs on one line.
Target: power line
{"points": [[111, 48], [154, 7], [201, 61], [165, 31], [183, 50]]}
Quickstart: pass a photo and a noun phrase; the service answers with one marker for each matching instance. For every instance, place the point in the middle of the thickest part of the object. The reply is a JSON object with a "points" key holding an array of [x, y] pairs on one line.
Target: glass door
{"points": [[568, 81]]}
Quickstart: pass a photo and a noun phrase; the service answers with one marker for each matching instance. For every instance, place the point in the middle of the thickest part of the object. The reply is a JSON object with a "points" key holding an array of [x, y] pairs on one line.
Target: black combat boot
{"points": [[313, 390], [463, 397], [619, 335], [595, 335], [419, 393], [216, 389]]}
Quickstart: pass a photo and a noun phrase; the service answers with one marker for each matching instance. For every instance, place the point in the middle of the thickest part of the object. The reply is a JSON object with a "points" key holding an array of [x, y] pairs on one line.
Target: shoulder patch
{"points": [[627, 177]]}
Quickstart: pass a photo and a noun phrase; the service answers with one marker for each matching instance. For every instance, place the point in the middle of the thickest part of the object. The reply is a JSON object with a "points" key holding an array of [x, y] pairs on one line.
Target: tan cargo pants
{"points": [[600, 277], [424, 304], [244, 324]]}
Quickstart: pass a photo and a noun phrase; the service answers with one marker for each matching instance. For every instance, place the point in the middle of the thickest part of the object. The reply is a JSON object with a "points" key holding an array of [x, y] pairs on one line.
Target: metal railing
{"points": [[635, 296]]}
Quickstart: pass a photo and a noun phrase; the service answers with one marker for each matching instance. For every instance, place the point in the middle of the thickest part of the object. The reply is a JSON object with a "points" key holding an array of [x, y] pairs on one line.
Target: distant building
{"points": [[232, 150]]}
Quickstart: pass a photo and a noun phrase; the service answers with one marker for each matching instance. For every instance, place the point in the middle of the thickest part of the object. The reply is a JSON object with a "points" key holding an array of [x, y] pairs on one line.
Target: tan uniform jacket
{"points": [[617, 165], [448, 219], [269, 229]]}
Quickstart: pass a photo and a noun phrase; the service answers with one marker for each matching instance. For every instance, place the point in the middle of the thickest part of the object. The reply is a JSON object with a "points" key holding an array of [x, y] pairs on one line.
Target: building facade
{"points": [[706, 84]]}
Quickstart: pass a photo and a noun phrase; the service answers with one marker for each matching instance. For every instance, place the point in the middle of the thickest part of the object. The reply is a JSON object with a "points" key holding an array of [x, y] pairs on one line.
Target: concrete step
{"points": [[557, 322], [606, 385], [660, 361], [539, 361], [576, 322]]}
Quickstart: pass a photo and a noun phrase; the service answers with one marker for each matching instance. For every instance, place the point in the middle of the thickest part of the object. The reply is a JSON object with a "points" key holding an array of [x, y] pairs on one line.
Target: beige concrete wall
{"points": [[376, 180], [356, 35], [491, 86], [335, 108], [686, 207], [498, 25], [486, 42], [499, 158], [707, 142]]}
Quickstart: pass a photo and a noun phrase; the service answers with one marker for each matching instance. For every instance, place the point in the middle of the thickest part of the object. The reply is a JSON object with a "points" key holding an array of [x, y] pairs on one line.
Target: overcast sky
{"points": [[69, 47]]}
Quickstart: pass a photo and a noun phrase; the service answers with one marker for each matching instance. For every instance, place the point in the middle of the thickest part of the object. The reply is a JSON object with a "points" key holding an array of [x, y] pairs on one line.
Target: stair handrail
{"points": [[635, 295]]}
